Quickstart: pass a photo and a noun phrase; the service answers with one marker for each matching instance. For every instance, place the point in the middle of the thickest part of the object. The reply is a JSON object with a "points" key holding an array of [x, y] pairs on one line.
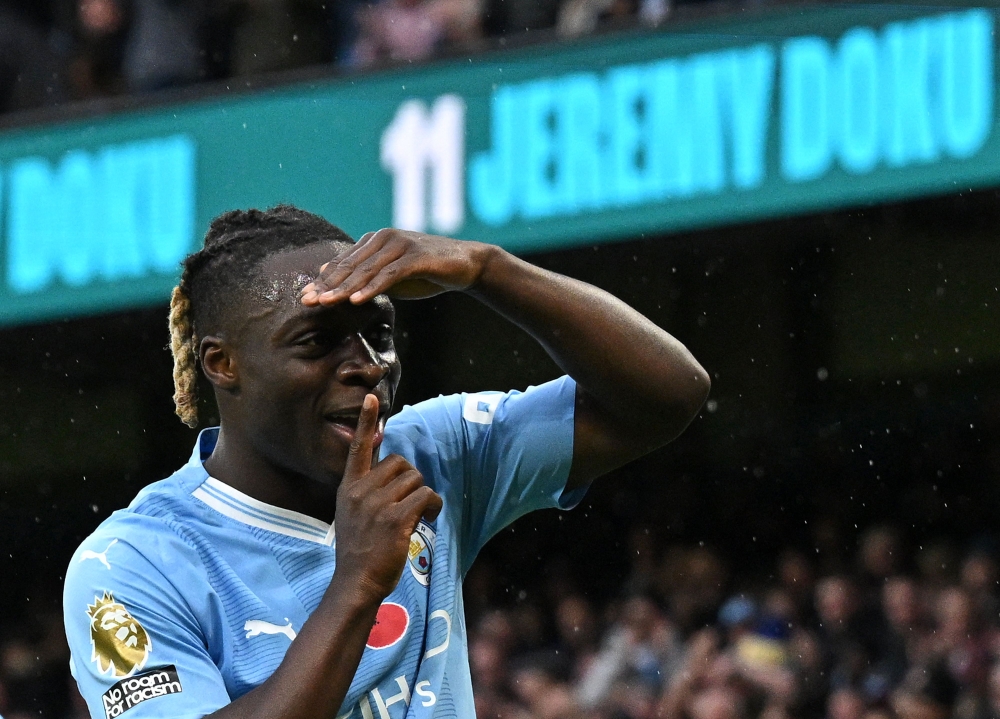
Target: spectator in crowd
{"points": [[581, 17], [900, 636], [840, 631], [798, 578], [639, 650], [979, 579], [413, 30], [34, 680], [878, 559], [101, 28], [165, 45], [577, 634]]}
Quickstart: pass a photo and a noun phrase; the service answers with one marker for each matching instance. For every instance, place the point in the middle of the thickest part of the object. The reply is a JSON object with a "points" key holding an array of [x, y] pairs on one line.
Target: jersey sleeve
{"points": [[500, 455], [137, 648]]}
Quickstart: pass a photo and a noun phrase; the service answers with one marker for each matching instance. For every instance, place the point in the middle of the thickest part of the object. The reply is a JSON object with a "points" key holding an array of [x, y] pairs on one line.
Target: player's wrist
{"points": [[489, 261], [358, 591]]}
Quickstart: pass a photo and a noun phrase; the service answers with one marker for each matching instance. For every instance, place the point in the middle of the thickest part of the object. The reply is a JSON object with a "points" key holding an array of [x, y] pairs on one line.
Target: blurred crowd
{"points": [[896, 632], [54, 51]]}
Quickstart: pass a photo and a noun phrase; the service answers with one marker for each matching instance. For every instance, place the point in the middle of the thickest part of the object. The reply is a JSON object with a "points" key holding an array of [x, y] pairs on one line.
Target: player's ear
{"points": [[218, 361]]}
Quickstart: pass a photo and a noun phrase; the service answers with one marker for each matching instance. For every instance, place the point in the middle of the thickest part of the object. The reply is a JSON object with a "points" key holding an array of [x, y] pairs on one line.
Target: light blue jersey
{"points": [[191, 596]]}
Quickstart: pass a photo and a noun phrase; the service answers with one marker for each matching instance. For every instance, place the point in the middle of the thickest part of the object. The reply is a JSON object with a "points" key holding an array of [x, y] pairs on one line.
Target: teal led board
{"points": [[793, 110]]}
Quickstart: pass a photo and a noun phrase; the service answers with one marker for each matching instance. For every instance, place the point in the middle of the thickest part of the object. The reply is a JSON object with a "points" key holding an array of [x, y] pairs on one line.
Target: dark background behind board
{"points": [[854, 358], [854, 355]]}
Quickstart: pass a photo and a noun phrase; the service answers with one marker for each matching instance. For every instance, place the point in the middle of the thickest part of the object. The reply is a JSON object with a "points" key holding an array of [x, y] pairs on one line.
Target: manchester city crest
{"points": [[421, 554], [120, 644]]}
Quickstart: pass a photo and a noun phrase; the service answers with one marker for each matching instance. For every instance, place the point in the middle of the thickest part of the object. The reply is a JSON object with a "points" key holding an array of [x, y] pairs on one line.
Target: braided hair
{"points": [[215, 279]]}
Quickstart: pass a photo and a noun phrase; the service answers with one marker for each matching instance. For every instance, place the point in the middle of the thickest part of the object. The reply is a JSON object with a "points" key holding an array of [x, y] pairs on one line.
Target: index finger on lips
{"points": [[359, 457]]}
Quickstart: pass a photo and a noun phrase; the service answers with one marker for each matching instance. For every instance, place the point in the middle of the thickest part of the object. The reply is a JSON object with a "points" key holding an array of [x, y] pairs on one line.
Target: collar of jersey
{"points": [[243, 508]]}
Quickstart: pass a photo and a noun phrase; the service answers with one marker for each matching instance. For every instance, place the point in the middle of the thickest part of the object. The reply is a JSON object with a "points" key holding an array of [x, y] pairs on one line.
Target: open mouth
{"points": [[346, 424]]}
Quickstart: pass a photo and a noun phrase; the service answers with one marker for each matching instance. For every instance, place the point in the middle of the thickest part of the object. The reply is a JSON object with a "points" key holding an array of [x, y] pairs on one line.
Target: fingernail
{"points": [[328, 295], [309, 296], [356, 297], [311, 287], [324, 266]]}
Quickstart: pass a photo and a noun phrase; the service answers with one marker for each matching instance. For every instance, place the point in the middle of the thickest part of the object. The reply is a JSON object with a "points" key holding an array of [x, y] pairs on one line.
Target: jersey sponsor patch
{"points": [[421, 553], [391, 624], [124, 695], [119, 642]]}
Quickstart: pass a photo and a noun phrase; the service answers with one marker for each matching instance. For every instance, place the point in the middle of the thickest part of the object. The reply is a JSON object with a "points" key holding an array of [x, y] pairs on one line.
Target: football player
{"points": [[308, 559]]}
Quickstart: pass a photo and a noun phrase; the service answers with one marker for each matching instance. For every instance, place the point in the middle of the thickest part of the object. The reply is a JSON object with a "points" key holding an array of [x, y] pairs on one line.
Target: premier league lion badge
{"points": [[421, 554], [120, 644]]}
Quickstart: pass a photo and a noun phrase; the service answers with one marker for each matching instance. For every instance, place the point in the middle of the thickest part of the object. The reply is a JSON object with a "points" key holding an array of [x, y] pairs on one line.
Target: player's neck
{"points": [[245, 470]]}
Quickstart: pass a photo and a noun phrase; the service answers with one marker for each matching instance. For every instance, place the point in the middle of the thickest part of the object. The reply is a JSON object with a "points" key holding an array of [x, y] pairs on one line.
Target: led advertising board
{"points": [[713, 123]]}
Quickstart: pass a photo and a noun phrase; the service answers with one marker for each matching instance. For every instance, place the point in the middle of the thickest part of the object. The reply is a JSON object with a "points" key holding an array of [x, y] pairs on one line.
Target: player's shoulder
{"points": [[420, 418], [152, 526], [476, 408], [125, 541], [442, 419]]}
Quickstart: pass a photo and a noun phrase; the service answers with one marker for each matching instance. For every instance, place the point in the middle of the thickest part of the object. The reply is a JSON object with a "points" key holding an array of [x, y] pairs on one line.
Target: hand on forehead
{"points": [[283, 275]]}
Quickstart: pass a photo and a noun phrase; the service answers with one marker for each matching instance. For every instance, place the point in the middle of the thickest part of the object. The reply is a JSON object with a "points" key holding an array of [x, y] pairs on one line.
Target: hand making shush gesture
{"points": [[378, 507]]}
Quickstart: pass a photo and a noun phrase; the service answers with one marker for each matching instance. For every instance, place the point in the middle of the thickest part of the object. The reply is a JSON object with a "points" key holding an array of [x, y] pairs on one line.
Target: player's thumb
{"points": [[359, 457]]}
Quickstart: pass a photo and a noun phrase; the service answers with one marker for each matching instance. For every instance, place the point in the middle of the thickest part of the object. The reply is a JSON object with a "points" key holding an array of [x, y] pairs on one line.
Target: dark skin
{"points": [[304, 385]]}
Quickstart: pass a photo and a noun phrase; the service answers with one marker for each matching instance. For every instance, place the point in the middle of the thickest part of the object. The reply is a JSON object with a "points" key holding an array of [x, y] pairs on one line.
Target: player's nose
{"points": [[364, 365]]}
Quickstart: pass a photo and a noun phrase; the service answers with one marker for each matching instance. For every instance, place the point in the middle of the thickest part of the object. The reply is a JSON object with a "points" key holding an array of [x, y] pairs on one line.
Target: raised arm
{"points": [[637, 386]]}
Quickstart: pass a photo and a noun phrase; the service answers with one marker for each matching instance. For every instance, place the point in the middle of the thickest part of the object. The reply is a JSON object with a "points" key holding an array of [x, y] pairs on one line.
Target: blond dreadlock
{"points": [[182, 346]]}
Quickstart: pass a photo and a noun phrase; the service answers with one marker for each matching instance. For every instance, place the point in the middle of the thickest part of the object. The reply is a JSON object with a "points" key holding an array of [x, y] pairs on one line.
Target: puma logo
{"points": [[102, 557], [254, 627]]}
